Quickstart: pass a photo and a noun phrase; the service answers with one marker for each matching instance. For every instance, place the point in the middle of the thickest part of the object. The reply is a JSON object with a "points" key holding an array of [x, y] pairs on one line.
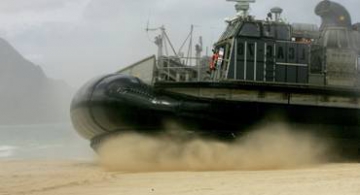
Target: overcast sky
{"points": [[75, 40]]}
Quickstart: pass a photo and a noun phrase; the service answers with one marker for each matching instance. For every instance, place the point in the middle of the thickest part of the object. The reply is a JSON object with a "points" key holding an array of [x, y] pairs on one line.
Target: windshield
{"points": [[250, 29], [230, 31], [283, 32], [268, 31]]}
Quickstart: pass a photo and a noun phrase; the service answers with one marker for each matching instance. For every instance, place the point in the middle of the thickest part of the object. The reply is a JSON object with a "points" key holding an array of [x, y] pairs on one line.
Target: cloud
{"points": [[34, 5], [17, 15]]}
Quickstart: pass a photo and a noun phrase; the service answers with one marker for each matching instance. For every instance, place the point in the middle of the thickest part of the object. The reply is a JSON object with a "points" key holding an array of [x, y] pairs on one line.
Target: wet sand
{"points": [[75, 177]]}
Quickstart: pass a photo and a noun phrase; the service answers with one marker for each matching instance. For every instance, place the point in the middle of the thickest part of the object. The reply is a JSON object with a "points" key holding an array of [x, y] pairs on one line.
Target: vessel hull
{"points": [[120, 104]]}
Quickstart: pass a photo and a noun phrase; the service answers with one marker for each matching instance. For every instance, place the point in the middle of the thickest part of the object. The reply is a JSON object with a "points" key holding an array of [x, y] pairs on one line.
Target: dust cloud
{"points": [[268, 147]]}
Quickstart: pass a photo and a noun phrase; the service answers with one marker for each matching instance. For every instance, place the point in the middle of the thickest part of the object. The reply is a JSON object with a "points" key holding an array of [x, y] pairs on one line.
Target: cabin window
{"points": [[269, 31], [231, 30], [337, 39], [343, 39], [250, 30], [283, 32], [228, 32], [332, 40]]}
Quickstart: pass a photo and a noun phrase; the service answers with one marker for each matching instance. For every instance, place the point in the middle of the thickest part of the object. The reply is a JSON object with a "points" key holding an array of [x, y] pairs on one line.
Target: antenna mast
{"points": [[162, 40], [242, 7]]}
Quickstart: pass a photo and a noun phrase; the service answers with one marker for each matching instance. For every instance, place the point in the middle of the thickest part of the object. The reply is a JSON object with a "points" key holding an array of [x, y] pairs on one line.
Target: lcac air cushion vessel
{"points": [[306, 74]]}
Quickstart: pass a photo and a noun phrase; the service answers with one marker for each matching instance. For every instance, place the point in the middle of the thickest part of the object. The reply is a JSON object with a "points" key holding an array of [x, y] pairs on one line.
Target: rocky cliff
{"points": [[27, 95]]}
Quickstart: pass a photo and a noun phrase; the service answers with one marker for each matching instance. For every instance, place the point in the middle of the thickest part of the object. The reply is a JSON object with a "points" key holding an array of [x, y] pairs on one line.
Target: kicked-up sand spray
{"points": [[274, 146]]}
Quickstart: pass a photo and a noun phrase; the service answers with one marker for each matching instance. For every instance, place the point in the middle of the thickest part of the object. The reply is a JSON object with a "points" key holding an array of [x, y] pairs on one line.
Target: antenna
{"points": [[161, 40], [242, 6], [148, 29]]}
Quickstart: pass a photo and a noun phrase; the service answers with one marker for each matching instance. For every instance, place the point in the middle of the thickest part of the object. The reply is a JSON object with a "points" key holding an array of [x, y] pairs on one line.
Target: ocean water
{"points": [[47, 141]]}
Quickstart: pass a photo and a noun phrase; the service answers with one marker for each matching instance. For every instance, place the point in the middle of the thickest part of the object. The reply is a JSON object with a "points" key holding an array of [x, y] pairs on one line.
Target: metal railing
{"points": [[174, 69]]}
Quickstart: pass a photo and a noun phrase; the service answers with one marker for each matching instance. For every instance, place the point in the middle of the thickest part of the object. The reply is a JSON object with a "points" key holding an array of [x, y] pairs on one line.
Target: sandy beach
{"points": [[76, 177], [265, 163]]}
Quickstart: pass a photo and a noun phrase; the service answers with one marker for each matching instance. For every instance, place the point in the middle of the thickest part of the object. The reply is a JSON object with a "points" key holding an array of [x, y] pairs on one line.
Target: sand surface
{"points": [[74, 177]]}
